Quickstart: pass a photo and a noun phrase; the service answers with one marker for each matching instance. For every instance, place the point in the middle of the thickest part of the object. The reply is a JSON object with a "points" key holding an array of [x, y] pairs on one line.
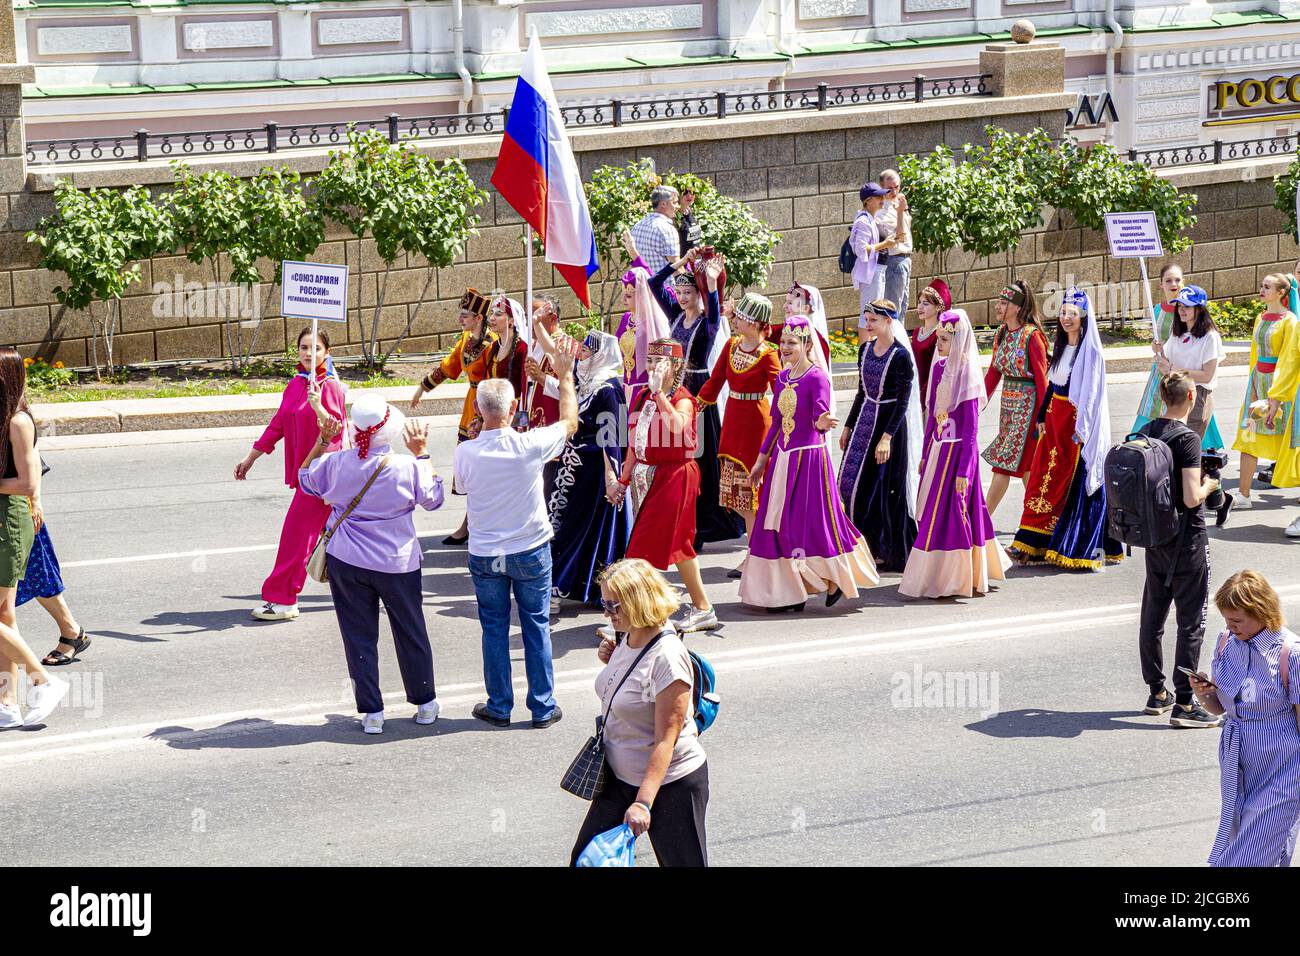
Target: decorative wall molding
{"points": [[67, 41], [336, 31], [833, 9], [1163, 132], [934, 6], [1167, 108], [574, 23], [1160, 85], [228, 35]]}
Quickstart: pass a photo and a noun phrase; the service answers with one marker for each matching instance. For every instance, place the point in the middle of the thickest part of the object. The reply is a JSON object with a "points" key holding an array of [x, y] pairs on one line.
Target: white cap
{"points": [[368, 411]]}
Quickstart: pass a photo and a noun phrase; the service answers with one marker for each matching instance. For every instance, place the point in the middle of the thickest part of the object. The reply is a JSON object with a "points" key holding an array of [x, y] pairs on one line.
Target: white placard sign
{"points": [[314, 290], [1133, 235]]}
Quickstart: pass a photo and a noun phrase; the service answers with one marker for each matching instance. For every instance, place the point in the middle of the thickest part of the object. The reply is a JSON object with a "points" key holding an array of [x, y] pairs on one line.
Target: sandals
{"points": [[56, 658]]}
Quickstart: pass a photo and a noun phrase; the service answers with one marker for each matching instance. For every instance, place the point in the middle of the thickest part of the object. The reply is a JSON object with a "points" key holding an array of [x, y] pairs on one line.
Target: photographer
{"points": [[1178, 573]]}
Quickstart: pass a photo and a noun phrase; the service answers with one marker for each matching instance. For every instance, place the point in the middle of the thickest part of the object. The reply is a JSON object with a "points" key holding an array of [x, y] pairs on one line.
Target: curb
{"points": [[227, 411]]}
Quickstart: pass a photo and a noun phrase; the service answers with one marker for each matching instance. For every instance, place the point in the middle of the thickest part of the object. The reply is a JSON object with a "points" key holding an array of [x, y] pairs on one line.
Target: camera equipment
{"points": [[1212, 462]]}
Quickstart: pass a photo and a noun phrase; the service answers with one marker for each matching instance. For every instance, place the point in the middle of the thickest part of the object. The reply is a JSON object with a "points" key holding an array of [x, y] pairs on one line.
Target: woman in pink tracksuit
{"points": [[297, 423]]}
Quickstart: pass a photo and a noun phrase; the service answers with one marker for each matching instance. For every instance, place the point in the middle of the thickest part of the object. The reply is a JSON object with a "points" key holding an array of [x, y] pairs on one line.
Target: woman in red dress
{"points": [[508, 355], [748, 366], [664, 479]]}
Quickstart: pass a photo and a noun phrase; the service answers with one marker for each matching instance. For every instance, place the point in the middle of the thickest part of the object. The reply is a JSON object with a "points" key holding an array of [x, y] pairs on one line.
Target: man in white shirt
{"points": [[500, 472], [656, 236], [867, 244], [894, 221]]}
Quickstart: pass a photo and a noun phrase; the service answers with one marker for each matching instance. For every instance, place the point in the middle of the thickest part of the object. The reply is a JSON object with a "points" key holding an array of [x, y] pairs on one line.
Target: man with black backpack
{"points": [[1155, 489]]}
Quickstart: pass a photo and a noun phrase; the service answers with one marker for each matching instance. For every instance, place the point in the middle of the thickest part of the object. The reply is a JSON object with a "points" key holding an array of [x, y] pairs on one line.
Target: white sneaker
{"points": [[10, 716], [427, 713], [1293, 529], [692, 619], [373, 723], [276, 612], [1242, 502], [42, 699]]}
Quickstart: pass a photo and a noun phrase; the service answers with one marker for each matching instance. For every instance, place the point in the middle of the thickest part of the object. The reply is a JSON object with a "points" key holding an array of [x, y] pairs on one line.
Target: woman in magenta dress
{"points": [[802, 542], [956, 552]]}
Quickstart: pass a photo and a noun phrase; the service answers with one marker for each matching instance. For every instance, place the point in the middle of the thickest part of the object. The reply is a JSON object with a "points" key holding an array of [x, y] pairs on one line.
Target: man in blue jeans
{"points": [[500, 472]]}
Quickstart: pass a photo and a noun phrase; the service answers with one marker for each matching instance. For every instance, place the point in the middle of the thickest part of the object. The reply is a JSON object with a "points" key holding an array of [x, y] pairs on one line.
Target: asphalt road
{"points": [[196, 735]]}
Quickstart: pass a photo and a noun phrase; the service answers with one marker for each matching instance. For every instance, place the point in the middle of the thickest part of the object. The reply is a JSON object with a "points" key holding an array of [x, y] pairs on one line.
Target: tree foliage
{"points": [[407, 203], [97, 238]]}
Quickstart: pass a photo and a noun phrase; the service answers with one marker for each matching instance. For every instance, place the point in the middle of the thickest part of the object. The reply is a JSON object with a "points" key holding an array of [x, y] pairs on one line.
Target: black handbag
{"points": [[585, 777]]}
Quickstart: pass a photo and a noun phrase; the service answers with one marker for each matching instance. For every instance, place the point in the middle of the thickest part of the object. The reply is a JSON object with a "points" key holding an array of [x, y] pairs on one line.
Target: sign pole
{"points": [[1146, 295]]}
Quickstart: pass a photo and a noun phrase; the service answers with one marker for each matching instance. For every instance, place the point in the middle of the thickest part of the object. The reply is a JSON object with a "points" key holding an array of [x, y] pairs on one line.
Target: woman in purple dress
{"points": [[802, 542], [956, 553]]}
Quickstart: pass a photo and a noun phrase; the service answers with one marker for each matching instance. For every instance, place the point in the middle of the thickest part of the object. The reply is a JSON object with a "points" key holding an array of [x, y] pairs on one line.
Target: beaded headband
{"points": [[666, 348], [1013, 295]]}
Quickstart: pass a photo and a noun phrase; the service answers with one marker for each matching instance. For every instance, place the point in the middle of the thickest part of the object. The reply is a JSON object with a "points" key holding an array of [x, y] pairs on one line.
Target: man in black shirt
{"points": [[687, 228], [1178, 573]]}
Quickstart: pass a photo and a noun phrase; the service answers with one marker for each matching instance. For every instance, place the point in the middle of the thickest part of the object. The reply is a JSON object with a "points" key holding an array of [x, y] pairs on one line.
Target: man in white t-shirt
{"points": [[500, 472]]}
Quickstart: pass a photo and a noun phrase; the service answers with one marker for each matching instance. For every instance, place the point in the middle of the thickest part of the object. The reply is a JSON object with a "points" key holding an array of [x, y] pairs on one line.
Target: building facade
{"points": [[1147, 73]]}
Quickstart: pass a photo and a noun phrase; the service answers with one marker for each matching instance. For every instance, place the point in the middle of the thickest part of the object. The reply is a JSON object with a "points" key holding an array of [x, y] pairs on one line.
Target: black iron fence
{"points": [[274, 137], [1216, 152]]}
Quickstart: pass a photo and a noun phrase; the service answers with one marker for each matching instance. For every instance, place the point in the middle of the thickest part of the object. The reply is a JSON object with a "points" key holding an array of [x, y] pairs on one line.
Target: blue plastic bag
{"points": [[616, 847]]}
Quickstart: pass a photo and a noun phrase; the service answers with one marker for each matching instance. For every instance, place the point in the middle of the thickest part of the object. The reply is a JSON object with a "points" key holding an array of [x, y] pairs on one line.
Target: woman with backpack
{"points": [[1020, 362], [656, 773], [1256, 687], [1064, 521]]}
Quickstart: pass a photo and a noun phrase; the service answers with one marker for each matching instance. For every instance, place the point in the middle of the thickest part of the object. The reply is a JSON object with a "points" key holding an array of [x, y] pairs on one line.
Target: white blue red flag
{"points": [[537, 174]]}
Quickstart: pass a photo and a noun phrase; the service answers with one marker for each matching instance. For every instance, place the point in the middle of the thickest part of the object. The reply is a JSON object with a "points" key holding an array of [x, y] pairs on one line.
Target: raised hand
{"points": [[416, 438]]}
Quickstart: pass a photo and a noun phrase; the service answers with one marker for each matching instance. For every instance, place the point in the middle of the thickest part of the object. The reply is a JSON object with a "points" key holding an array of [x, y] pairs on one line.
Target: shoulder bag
{"points": [[316, 567], [585, 777]]}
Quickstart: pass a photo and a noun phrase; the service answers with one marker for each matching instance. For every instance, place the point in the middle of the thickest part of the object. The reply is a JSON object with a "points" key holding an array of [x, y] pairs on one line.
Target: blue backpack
{"points": [[703, 697]]}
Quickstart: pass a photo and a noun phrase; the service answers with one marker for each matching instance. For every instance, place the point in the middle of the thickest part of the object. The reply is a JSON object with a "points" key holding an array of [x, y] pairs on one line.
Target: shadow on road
{"points": [[259, 734], [1036, 722]]}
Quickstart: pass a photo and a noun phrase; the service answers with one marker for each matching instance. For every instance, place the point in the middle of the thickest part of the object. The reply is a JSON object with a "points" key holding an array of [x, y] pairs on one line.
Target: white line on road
{"points": [[199, 727]]}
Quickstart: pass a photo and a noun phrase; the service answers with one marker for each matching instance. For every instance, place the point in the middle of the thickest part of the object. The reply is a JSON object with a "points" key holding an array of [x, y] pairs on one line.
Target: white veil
{"points": [[915, 424]]}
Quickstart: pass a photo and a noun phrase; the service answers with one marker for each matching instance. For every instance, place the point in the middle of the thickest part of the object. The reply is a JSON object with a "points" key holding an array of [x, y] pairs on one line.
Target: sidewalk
{"points": [[226, 411]]}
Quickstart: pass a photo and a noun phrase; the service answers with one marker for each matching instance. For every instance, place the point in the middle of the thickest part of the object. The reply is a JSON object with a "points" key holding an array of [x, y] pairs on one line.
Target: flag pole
{"points": [[528, 314]]}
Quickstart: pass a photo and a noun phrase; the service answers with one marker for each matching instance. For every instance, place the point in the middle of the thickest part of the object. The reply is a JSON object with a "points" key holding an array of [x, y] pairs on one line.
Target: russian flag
{"points": [[537, 174]]}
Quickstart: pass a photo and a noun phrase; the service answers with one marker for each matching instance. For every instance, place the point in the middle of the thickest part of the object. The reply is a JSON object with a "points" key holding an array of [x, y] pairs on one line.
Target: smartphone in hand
{"points": [[1191, 673]]}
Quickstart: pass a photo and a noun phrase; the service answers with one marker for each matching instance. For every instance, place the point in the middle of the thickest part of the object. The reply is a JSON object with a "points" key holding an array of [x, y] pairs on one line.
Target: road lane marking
{"points": [[217, 725]]}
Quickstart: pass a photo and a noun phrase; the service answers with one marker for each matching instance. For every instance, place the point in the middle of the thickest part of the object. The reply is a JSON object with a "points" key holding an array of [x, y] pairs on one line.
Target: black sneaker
{"points": [[1158, 704], [556, 716], [1224, 510], [1193, 715]]}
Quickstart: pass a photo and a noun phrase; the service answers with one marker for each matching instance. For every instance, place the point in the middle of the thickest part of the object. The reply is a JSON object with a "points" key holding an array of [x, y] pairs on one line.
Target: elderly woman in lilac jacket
{"points": [[374, 554]]}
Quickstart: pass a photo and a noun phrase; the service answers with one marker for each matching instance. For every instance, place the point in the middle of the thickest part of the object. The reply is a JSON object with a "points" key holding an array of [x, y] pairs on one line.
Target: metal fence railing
{"points": [[1216, 152], [271, 137]]}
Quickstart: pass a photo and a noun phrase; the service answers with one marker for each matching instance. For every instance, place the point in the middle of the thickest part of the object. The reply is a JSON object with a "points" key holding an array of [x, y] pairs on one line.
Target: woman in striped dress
{"points": [[1257, 688]]}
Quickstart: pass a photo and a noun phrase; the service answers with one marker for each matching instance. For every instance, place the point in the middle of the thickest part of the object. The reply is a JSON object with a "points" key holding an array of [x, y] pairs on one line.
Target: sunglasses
{"points": [[610, 607]]}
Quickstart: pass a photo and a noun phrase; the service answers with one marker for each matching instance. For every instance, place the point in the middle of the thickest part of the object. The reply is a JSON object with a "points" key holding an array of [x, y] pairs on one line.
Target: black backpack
{"points": [[1140, 492], [848, 258]]}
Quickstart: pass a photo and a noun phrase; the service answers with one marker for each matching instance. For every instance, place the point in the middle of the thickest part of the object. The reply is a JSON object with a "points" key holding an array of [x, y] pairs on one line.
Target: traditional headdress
{"points": [[516, 312], [756, 309], [669, 349], [939, 290], [800, 326], [1012, 294], [1088, 394], [475, 302], [882, 307], [963, 376], [685, 280], [603, 367]]}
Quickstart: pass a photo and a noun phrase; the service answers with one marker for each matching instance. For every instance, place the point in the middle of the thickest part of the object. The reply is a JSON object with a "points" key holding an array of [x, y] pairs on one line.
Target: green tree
{"points": [[1284, 187], [938, 196], [406, 203], [617, 196], [748, 243], [97, 238]]}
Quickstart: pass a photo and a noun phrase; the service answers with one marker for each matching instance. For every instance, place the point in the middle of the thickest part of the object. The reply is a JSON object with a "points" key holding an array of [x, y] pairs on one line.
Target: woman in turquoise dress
{"points": [[1150, 407]]}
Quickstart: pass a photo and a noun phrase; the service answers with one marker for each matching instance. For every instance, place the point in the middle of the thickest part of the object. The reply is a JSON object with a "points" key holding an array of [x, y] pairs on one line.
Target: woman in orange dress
{"points": [[748, 366], [468, 357]]}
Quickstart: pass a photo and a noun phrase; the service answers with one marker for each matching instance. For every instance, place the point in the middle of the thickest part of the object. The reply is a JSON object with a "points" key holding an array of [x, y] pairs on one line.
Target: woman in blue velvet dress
{"points": [[697, 322], [590, 533]]}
